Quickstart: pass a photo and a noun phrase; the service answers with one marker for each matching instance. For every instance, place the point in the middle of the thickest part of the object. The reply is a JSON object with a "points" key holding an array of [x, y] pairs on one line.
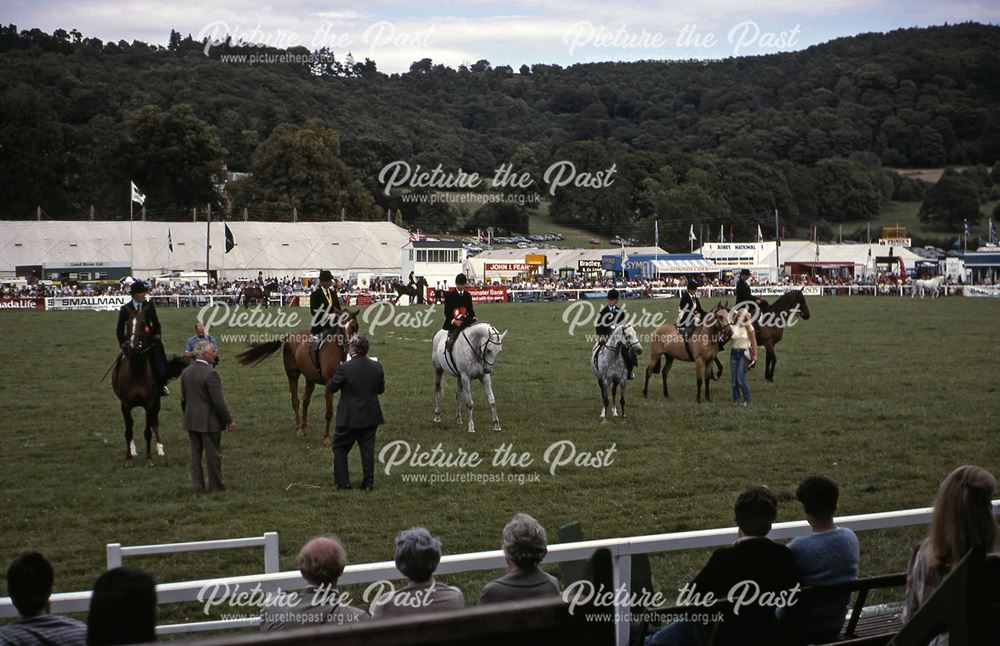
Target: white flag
{"points": [[722, 233], [137, 196], [691, 235], [760, 236]]}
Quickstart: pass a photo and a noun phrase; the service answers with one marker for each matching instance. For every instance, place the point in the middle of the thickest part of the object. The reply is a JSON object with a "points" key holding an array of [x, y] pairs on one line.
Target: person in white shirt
{"points": [[744, 341]]}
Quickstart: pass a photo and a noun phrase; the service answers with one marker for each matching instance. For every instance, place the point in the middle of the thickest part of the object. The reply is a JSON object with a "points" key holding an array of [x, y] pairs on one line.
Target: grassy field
{"points": [[884, 395]]}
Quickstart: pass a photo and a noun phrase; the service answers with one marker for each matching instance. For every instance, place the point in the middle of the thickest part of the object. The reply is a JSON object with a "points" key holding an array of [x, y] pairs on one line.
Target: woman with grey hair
{"points": [[417, 556], [524, 545]]}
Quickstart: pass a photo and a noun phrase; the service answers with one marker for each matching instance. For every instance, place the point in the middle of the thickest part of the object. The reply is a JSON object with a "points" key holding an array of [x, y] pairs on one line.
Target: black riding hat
{"points": [[744, 272], [138, 287], [693, 284], [325, 275], [612, 294], [461, 279]]}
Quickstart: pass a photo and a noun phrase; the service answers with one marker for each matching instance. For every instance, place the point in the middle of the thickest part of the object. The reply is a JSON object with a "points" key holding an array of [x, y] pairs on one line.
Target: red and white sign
{"points": [[8, 303], [507, 266], [496, 294]]}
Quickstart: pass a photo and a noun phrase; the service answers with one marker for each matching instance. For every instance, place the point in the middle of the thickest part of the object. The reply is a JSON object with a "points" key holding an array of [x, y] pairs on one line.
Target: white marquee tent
{"points": [[276, 248]]}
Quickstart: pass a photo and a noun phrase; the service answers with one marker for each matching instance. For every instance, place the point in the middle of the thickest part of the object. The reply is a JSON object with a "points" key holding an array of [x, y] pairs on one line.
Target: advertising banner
{"points": [[8, 303], [79, 303]]}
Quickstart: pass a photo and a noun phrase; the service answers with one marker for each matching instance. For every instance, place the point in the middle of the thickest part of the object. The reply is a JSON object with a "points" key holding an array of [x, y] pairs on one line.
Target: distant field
{"points": [[885, 395]]}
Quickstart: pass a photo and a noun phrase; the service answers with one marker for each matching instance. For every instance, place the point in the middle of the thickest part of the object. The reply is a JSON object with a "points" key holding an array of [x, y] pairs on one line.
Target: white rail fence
{"points": [[622, 550]]}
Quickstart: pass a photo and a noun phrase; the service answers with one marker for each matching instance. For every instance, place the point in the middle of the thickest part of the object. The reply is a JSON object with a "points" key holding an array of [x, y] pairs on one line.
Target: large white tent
{"points": [[276, 248]]}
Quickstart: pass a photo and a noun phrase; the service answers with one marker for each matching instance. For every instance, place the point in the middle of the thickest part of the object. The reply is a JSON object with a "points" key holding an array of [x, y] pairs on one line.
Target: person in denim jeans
{"points": [[743, 339]]}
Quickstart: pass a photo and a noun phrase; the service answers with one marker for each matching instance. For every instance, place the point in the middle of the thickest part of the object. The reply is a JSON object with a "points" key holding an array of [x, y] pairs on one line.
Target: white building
{"points": [[275, 248], [438, 261], [804, 257]]}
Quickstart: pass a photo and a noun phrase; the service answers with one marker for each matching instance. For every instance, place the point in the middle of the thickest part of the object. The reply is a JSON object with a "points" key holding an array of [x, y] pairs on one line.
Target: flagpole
{"points": [[208, 244], [131, 241]]}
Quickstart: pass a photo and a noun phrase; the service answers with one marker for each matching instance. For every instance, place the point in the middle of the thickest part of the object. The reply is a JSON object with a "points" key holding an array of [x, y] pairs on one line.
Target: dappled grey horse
{"points": [[609, 366], [923, 285], [473, 356]]}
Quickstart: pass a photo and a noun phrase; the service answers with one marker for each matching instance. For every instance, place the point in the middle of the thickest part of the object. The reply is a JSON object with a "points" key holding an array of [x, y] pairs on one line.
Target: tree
{"points": [[31, 154], [844, 191], [300, 167], [950, 202], [173, 156]]}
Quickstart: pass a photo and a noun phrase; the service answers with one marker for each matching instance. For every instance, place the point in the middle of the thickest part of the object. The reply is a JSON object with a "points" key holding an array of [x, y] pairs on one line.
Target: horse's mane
{"points": [[786, 299]]}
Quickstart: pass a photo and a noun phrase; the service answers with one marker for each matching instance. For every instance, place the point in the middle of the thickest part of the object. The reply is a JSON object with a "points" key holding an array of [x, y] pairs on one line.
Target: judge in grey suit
{"points": [[205, 415], [417, 556], [360, 381], [524, 545]]}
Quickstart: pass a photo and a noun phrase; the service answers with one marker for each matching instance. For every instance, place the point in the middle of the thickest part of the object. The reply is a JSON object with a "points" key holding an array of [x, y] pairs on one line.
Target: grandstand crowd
{"points": [[384, 286], [123, 604]]}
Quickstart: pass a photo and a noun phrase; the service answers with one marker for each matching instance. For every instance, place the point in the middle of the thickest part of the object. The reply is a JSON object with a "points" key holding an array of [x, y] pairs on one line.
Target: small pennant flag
{"points": [[760, 235], [137, 196], [966, 222], [656, 233], [230, 241], [993, 232], [170, 241], [722, 233], [691, 235]]}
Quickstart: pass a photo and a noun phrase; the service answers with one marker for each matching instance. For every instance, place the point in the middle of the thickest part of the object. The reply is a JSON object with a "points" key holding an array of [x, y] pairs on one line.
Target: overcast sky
{"points": [[513, 32]]}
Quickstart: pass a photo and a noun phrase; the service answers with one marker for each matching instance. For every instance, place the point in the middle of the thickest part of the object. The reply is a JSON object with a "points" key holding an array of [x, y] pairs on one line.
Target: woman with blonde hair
{"points": [[744, 343], [962, 520]]}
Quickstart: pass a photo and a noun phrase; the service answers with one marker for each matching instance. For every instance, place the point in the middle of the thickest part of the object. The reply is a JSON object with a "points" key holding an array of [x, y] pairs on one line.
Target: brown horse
{"points": [[299, 361], [254, 292], [702, 348], [770, 325], [133, 380]]}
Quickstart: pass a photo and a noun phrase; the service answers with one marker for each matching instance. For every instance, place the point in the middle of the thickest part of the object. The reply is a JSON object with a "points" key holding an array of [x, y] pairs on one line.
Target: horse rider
{"points": [[411, 282], [139, 291], [459, 312], [609, 316], [324, 308], [743, 295], [689, 312]]}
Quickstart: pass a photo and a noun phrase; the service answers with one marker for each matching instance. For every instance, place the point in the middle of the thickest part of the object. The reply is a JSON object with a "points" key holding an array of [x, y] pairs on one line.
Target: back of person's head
{"points": [[29, 583], [360, 343], [122, 608], [818, 495], [417, 554], [524, 541], [322, 560], [756, 508], [963, 516]]}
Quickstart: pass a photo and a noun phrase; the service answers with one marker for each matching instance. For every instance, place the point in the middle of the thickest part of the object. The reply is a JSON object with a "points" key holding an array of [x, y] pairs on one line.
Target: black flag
{"points": [[230, 243]]}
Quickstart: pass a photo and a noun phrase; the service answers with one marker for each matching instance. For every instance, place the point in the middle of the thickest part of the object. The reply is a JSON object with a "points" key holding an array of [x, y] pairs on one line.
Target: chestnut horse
{"points": [[298, 360], [770, 325], [133, 380], [702, 347]]}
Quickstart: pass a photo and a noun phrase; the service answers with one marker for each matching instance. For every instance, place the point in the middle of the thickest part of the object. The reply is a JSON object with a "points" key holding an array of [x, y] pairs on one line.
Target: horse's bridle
{"points": [[632, 346], [143, 348], [480, 354]]}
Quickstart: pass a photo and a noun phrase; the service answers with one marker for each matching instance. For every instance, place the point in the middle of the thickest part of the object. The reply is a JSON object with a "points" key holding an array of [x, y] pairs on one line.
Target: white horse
{"points": [[933, 284], [473, 356], [609, 366]]}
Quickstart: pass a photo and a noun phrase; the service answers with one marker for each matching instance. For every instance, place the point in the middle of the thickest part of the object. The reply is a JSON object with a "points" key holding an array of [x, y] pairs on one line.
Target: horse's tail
{"points": [[257, 352], [656, 366], [175, 366]]}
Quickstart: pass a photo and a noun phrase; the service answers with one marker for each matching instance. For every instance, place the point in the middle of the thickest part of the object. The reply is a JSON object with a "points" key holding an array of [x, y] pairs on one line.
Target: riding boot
{"points": [[314, 343], [450, 341]]}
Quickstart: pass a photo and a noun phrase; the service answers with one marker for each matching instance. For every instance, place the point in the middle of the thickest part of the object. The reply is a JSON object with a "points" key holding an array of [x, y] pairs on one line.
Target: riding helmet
{"points": [[612, 294], [461, 279], [138, 287], [325, 275], [693, 284]]}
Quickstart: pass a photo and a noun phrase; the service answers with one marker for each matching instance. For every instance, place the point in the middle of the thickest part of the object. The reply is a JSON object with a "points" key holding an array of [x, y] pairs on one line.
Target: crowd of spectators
{"points": [[123, 605]]}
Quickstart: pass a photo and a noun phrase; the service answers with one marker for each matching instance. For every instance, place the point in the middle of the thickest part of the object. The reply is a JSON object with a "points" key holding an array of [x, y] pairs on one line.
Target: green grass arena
{"points": [[885, 395]]}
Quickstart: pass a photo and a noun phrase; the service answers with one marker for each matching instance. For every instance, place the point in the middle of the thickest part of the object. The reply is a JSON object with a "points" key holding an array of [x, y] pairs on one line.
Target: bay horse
{"points": [[254, 292], [474, 353], [770, 324], [298, 362], [702, 348], [133, 380], [609, 366], [415, 291]]}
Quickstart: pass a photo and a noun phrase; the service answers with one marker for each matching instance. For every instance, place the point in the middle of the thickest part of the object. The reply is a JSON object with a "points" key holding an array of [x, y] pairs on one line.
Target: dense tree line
{"points": [[806, 133]]}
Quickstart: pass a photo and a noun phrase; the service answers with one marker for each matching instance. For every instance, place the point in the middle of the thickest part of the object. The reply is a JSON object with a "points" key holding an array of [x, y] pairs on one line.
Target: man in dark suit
{"points": [[138, 303], [205, 415], [743, 295], [459, 312], [755, 565], [323, 302], [610, 316], [360, 381], [689, 311]]}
